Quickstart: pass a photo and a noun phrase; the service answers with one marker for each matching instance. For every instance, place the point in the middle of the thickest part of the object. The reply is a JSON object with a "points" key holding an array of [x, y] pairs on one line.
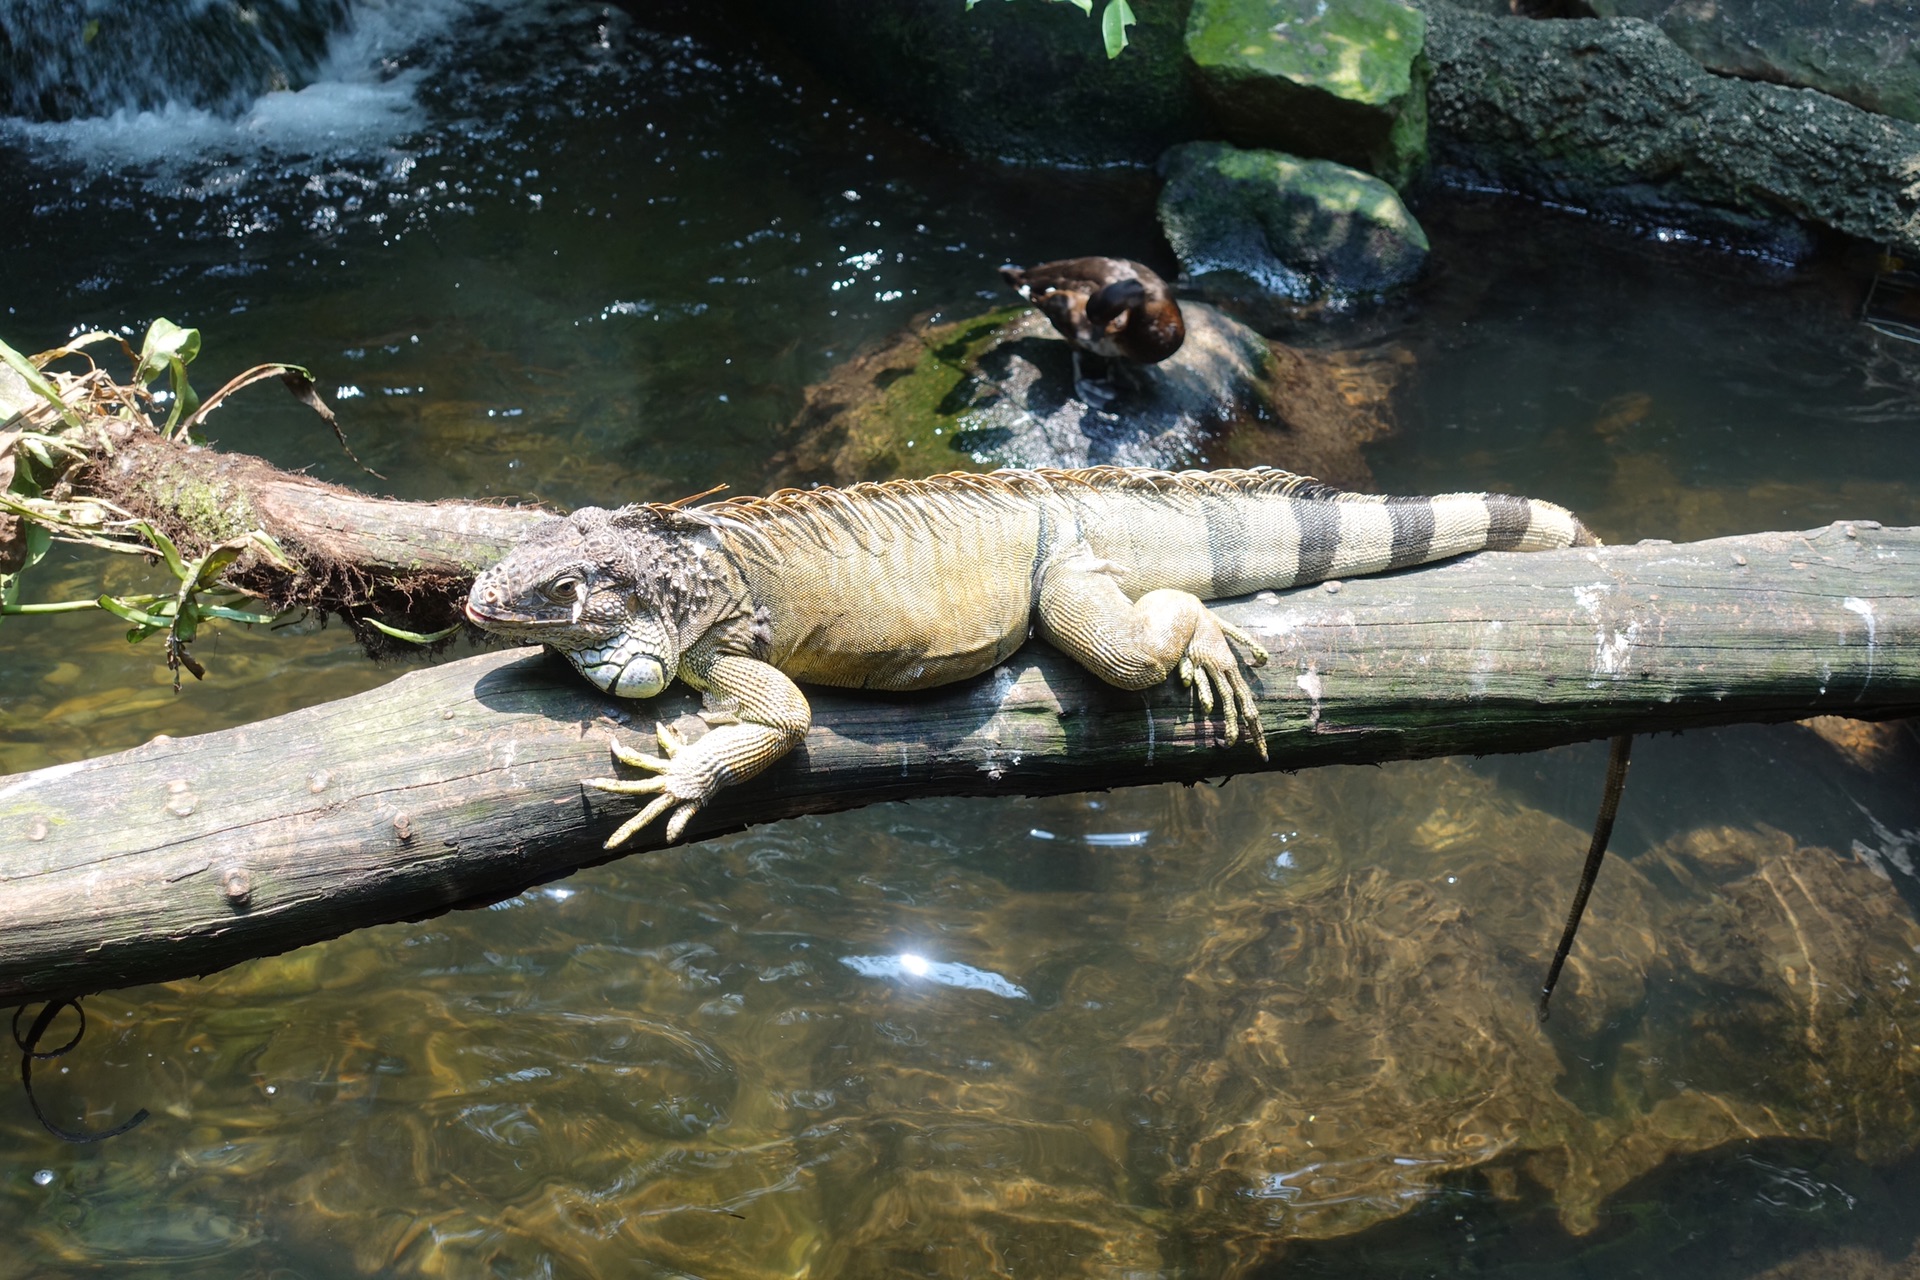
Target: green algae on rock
{"points": [[1345, 81], [1297, 229], [997, 390]]}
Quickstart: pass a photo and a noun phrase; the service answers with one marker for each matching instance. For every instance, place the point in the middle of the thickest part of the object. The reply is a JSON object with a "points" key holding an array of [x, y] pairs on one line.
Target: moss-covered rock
{"points": [[997, 391], [1026, 81], [1270, 223], [1865, 51], [1343, 81]]}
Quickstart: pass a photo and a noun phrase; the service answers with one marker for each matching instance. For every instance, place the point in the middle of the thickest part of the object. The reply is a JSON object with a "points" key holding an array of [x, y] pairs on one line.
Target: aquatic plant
{"points": [[58, 421], [1115, 18]]}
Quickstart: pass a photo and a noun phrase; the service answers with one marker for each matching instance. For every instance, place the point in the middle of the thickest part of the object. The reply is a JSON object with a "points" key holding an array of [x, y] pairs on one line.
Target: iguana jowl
{"points": [[913, 583]]}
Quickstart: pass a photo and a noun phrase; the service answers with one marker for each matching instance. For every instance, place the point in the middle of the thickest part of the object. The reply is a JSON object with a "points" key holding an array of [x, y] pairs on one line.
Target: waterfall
{"points": [[72, 59]]}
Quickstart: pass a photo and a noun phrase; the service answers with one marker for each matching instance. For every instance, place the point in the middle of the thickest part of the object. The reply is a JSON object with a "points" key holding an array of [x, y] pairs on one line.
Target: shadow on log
{"points": [[459, 785]]}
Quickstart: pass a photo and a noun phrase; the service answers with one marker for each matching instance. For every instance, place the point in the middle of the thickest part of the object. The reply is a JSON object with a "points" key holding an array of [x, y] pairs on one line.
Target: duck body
{"points": [[1111, 307]]}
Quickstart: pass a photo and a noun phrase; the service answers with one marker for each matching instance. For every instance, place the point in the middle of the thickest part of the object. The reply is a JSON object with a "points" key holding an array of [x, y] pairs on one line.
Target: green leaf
{"points": [[1114, 22], [143, 619], [166, 344], [58, 606], [1084, 6], [38, 541], [169, 348], [272, 550], [411, 637], [236, 615], [38, 381], [184, 399], [215, 563], [164, 545]]}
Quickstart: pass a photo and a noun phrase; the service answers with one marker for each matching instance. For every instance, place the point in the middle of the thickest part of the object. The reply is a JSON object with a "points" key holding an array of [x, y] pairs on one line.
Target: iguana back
{"points": [[908, 584], [914, 583]]}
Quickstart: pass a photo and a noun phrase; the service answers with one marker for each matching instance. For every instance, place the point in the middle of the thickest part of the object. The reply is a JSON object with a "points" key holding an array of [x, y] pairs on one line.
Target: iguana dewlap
{"points": [[915, 583]]}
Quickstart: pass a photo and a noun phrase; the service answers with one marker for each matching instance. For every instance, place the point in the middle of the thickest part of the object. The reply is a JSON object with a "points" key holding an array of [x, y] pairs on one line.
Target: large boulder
{"points": [[1025, 81], [1610, 115], [998, 391], [1272, 224], [1341, 81], [1865, 51]]}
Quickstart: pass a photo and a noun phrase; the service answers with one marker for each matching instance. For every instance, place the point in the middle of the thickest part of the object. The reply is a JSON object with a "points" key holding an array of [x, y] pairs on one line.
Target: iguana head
{"points": [[617, 592]]}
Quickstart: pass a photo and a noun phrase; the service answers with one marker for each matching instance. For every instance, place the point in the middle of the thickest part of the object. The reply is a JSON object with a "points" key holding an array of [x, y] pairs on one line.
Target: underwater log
{"points": [[459, 785]]}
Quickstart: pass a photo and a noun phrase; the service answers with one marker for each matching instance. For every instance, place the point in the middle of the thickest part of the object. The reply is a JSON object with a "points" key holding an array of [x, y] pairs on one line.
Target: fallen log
{"points": [[345, 552], [459, 785]]}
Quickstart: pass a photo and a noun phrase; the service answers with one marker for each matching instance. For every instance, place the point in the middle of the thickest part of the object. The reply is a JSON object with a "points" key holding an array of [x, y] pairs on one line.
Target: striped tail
{"points": [[1361, 533], [1226, 533]]}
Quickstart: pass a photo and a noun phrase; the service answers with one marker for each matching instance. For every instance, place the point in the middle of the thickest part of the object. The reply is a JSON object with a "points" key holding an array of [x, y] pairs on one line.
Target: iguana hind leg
{"points": [[767, 717], [1135, 644]]}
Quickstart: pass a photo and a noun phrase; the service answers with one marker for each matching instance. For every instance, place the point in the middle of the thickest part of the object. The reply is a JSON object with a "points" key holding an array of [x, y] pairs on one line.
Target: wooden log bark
{"points": [[459, 785], [202, 496]]}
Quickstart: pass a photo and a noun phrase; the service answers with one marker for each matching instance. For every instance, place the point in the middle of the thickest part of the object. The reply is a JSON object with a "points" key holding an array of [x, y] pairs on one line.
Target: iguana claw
{"points": [[1210, 669], [660, 786]]}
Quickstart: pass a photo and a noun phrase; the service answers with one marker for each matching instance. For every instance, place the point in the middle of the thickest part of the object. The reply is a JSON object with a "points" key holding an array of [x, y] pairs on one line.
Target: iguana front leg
{"points": [[1135, 644], [768, 716]]}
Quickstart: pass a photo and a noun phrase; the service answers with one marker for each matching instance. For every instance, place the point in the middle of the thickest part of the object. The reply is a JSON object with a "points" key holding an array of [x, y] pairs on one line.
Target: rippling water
{"points": [[1281, 1026]]}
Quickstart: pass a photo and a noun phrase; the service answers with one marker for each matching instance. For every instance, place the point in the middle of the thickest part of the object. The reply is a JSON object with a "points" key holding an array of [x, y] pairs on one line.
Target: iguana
{"points": [[912, 583]]}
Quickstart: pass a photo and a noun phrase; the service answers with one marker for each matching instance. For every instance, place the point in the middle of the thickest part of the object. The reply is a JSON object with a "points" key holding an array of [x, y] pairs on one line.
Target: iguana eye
{"points": [[567, 589]]}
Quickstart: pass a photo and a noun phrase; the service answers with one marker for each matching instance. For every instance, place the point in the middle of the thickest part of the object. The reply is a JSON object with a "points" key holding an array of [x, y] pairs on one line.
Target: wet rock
{"points": [[1269, 223], [1865, 51], [1611, 115], [1342, 81], [997, 391], [1869, 744], [1368, 1035]]}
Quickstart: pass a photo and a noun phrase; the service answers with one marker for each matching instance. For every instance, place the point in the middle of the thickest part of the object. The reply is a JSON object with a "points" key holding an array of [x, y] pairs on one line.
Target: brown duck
{"points": [[1111, 307]]}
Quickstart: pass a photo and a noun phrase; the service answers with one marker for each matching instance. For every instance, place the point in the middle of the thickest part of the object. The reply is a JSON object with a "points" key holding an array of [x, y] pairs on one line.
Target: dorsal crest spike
{"points": [[691, 498]]}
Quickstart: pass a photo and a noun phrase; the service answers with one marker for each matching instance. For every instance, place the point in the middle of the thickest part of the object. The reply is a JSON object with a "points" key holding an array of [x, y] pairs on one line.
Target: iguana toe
{"points": [[667, 789], [1256, 655], [637, 759], [1203, 689], [661, 803]]}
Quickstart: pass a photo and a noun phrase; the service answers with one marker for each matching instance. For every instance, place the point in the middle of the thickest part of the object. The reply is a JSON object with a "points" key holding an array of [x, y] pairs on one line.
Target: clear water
{"points": [[1276, 1027]]}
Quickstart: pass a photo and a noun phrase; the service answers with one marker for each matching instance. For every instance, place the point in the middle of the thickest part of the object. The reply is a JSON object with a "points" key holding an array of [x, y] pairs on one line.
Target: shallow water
{"points": [[1278, 1025]]}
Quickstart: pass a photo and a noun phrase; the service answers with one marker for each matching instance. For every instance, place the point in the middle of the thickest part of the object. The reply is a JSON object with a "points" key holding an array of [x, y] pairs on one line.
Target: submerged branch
{"points": [[459, 785]]}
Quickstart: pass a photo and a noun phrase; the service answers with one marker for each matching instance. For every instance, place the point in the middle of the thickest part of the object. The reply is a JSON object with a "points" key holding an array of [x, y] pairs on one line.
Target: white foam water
{"points": [[363, 98]]}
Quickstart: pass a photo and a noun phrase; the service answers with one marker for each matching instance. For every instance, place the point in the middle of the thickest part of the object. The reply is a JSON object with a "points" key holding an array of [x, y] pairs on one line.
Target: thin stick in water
{"points": [[1597, 850]]}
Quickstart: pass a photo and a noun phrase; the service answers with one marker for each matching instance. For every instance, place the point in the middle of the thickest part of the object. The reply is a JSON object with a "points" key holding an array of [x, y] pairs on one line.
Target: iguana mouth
{"points": [[482, 618]]}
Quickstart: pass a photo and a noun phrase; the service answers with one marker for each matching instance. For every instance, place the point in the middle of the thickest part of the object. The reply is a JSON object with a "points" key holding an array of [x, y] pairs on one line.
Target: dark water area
{"points": [[1278, 1027]]}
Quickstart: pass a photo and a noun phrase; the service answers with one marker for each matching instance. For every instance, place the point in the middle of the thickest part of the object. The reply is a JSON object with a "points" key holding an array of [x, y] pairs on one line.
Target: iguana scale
{"points": [[908, 584]]}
